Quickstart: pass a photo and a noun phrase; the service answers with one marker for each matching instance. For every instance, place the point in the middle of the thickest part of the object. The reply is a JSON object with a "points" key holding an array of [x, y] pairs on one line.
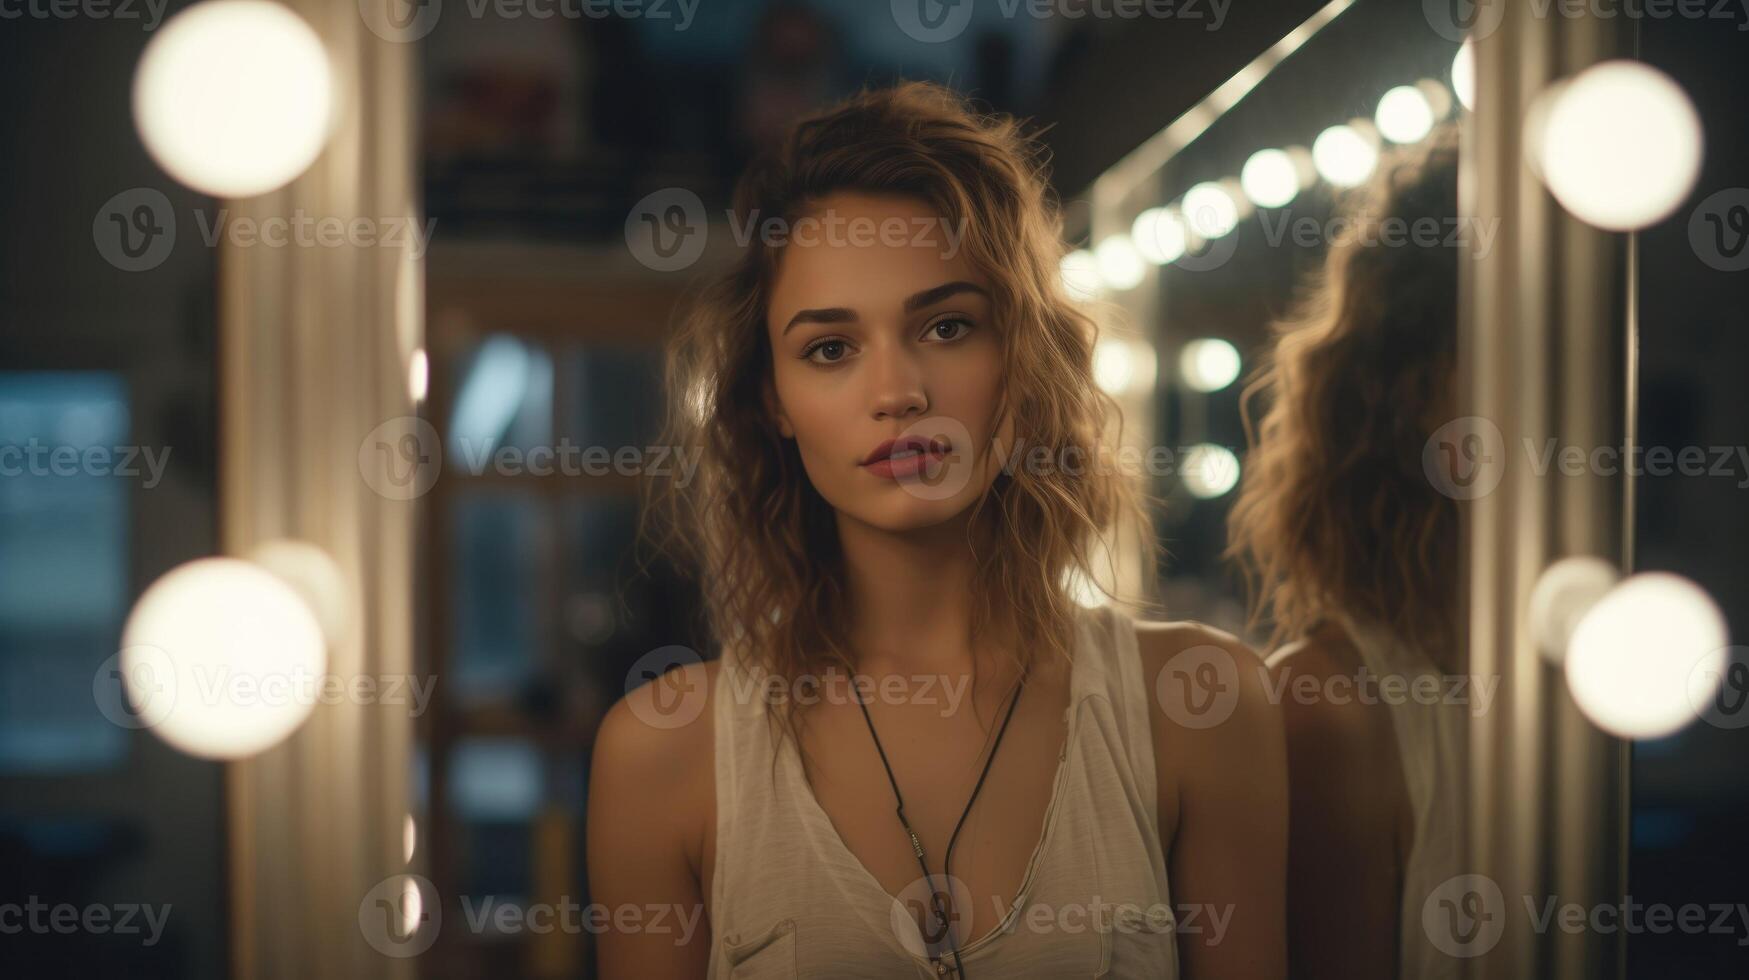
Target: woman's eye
{"points": [[950, 329], [826, 351]]}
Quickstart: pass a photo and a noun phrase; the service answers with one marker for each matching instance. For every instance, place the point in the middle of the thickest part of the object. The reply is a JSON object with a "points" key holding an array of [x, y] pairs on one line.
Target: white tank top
{"points": [[1431, 740], [790, 900]]}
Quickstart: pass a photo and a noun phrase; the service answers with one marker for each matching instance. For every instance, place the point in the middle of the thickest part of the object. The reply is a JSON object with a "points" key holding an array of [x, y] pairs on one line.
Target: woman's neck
{"points": [[910, 597]]}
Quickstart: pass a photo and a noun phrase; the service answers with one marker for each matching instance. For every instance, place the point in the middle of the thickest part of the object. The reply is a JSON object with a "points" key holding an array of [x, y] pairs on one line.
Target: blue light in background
{"points": [[63, 570]]}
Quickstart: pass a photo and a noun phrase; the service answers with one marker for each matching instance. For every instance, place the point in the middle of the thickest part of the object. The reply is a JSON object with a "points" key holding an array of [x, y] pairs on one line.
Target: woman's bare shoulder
{"points": [[1213, 717], [1212, 707], [665, 712], [1166, 638], [654, 754], [1319, 679], [1203, 678]]}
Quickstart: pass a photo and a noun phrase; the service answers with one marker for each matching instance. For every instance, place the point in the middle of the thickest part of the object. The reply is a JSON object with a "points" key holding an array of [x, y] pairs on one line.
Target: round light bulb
{"points": [[1404, 115], [1208, 364], [1121, 266], [316, 579], [1563, 594], [1619, 145], [1463, 75], [1080, 274], [1210, 470], [1210, 211], [224, 656], [1344, 157], [1270, 178], [233, 97], [418, 375], [1634, 655], [1113, 365], [1159, 234]]}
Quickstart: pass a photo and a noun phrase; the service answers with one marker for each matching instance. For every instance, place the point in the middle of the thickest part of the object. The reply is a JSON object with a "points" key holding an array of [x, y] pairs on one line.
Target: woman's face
{"points": [[880, 331]]}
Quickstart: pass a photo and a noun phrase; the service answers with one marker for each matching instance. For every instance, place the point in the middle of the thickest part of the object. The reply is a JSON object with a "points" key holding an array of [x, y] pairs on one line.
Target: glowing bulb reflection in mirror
{"points": [[1210, 211], [1208, 364], [1080, 274], [1270, 178], [1121, 366], [1159, 234], [1404, 115], [1209, 470], [1120, 265], [1463, 75], [1344, 157]]}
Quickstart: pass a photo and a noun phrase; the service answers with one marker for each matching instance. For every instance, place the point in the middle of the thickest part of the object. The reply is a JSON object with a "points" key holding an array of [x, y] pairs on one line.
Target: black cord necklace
{"points": [[941, 969]]}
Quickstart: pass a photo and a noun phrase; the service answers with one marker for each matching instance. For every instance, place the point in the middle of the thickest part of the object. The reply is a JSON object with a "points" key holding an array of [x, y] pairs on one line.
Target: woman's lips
{"points": [[909, 461]]}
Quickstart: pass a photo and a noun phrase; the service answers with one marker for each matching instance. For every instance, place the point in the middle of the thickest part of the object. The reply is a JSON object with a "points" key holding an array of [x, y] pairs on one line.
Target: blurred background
{"points": [[527, 317]]}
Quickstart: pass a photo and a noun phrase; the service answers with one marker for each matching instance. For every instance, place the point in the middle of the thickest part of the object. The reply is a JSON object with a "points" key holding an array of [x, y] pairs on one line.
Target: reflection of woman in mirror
{"points": [[1353, 553], [866, 390]]}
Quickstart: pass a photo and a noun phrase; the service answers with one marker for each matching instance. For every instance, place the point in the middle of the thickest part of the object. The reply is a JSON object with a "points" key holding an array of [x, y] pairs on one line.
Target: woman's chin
{"points": [[896, 511]]}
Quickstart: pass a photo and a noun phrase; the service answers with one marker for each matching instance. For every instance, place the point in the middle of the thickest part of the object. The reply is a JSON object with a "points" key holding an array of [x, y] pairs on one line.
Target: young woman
{"points": [[1003, 792], [1353, 550]]}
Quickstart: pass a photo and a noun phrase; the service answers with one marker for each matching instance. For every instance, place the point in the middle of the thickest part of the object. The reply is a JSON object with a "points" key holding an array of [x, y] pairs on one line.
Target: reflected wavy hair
{"points": [[759, 538], [1336, 513]]}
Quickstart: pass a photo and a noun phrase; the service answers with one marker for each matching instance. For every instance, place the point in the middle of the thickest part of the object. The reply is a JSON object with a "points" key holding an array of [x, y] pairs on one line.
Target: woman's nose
{"points": [[898, 383]]}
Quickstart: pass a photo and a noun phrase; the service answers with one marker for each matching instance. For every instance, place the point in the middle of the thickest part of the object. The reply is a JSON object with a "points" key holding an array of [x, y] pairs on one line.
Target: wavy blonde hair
{"points": [[1336, 514], [760, 539]]}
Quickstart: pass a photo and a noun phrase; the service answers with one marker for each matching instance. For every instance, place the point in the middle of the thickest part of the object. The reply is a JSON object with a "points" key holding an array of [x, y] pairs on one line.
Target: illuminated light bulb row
{"points": [[1619, 146], [1344, 155], [224, 658], [1644, 656], [1121, 366]]}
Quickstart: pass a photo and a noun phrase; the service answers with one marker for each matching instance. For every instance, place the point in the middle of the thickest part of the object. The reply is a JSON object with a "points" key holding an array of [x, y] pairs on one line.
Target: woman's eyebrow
{"points": [[913, 303]]}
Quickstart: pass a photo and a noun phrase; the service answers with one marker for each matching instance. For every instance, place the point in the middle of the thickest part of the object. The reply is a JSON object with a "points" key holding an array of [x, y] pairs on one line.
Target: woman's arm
{"points": [[652, 794], [1221, 758]]}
